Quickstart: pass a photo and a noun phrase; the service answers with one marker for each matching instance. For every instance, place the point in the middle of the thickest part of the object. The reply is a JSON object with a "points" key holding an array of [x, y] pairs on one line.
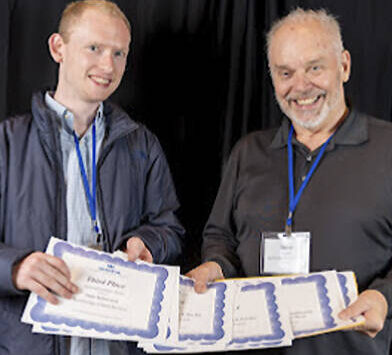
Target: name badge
{"points": [[285, 254]]}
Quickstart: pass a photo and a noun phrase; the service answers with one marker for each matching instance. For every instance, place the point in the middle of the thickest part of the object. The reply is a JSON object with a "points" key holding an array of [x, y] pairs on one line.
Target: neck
{"points": [[314, 138], [81, 125], [83, 113]]}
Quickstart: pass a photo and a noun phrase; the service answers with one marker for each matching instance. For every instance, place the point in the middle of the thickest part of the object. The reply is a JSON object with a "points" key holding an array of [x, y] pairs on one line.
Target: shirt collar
{"points": [[65, 116], [353, 131]]}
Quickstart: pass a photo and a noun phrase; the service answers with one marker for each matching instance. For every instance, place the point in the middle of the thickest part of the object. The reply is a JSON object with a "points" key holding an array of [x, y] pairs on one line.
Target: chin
{"points": [[99, 98], [307, 120], [308, 123]]}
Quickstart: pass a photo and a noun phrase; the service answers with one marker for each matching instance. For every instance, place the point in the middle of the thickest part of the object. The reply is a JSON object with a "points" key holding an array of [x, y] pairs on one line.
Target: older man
{"points": [[327, 170], [77, 167]]}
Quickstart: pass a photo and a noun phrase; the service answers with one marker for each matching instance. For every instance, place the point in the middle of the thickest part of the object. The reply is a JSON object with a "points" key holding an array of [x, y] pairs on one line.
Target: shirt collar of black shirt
{"points": [[353, 131]]}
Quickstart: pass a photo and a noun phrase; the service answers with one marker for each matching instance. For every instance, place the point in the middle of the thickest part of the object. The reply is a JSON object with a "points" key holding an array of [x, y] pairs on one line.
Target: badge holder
{"points": [[282, 253]]}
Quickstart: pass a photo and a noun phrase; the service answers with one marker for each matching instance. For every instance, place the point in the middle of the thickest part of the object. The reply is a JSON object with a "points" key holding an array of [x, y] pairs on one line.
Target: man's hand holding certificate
{"points": [[117, 299], [154, 305]]}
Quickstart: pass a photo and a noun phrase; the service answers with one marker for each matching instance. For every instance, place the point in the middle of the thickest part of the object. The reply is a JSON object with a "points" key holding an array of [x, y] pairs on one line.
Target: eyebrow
{"points": [[315, 61], [309, 63], [282, 67]]}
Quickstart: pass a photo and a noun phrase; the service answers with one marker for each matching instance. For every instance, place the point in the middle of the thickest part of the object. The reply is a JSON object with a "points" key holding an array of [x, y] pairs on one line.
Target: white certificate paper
{"points": [[117, 299], [154, 305], [314, 302], [260, 318], [231, 315]]}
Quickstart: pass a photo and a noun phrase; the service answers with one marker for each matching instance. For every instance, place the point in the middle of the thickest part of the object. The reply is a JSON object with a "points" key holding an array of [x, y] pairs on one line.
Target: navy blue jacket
{"points": [[135, 196]]}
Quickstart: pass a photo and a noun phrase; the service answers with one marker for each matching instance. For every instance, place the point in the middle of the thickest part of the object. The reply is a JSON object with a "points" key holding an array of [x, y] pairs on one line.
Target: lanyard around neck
{"points": [[91, 194], [294, 199]]}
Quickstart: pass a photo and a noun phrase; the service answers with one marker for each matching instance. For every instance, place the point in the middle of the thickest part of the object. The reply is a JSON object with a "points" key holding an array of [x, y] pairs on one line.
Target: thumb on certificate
{"points": [[205, 273], [136, 249], [373, 306]]}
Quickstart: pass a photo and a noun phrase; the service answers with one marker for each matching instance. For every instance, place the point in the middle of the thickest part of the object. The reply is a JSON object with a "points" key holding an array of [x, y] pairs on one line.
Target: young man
{"points": [[347, 202], [78, 168]]}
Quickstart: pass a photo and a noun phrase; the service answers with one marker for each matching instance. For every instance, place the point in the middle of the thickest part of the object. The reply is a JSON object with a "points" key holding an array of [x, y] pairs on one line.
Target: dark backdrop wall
{"points": [[197, 76]]}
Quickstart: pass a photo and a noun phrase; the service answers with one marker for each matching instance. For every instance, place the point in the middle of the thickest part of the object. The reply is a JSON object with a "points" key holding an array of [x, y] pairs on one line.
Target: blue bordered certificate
{"points": [[272, 311], [314, 302], [348, 286], [260, 318], [204, 320], [117, 299]]}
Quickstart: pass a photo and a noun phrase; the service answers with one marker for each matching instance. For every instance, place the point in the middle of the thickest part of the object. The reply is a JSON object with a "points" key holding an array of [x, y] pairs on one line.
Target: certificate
{"points": [[204, 317], [204, 320], [314, 302], [267, 312], [118, 299], [154, 305], [348, 286], [260, 318]]}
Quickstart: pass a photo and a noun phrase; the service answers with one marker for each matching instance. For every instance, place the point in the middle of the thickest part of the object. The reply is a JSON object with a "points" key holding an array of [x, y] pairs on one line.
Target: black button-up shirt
{"points": [[347, 207]]}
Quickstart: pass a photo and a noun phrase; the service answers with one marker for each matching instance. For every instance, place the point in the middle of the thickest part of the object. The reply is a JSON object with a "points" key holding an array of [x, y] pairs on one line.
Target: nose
{"points": [[106, 62], [301, 82]]}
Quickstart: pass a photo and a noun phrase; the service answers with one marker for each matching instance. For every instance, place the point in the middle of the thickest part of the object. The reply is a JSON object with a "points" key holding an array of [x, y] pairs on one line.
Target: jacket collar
{"points": [[118, 123], [353, 131]]}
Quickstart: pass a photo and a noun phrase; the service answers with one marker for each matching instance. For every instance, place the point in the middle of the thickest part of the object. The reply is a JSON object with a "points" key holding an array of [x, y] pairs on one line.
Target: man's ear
{"points": [[346, 65], [56, 47]]}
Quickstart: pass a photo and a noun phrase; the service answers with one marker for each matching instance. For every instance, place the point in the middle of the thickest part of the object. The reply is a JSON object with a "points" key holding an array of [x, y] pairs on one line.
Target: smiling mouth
{"points": [[99, 80], [308, 101]]}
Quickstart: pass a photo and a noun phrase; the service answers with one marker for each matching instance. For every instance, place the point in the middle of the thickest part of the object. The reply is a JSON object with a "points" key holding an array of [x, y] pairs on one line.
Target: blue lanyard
{"points": [[294, 199], [91, 195]]}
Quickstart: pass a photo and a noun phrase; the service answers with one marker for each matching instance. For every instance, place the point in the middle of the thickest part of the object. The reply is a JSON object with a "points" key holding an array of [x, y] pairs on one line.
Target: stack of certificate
{"points": [[158, 308]]}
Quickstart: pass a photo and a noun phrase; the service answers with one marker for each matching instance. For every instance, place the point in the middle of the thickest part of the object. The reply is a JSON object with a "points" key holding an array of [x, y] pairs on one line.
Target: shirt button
{"points": [[309, 158]]}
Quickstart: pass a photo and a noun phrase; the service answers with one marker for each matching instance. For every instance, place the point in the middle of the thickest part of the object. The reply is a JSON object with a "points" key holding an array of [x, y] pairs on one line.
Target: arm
{"points": [[25, 270], [160, 234], [375, 302], [22, 269], [219, 240], [219, 235], [9, 257]]}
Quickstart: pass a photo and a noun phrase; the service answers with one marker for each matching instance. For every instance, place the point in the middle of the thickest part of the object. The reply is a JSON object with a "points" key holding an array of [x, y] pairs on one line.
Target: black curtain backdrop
{"points": [[197, 76]]}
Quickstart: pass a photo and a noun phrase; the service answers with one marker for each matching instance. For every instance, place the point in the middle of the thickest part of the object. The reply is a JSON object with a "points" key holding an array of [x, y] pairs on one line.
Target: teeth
{"points": [[101, 80], [307, 101]]}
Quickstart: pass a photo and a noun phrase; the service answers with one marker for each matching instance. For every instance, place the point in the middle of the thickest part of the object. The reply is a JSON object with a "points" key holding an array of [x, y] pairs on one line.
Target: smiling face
{"points": [[92, 60], [308, 74]]}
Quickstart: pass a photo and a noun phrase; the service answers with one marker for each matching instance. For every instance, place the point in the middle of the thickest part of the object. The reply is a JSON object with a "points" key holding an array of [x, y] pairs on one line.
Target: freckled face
{"points": [[94, 58], [308, 74]]}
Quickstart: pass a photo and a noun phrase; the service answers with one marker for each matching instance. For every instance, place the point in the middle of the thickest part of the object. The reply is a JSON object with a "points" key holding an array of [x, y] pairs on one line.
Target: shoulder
{"points": [[379, 125], [258, 141], [138, 136], [14, 134], [118, 120], [16, 126], [378, 130]]}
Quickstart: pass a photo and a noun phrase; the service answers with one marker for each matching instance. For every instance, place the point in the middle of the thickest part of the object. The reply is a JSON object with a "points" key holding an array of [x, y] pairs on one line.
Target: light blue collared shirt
{"points": [[79, 223]]}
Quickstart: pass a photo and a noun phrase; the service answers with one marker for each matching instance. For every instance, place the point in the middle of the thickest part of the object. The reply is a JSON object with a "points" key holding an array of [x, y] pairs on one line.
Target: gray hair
{"points": [[299, 15]]}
